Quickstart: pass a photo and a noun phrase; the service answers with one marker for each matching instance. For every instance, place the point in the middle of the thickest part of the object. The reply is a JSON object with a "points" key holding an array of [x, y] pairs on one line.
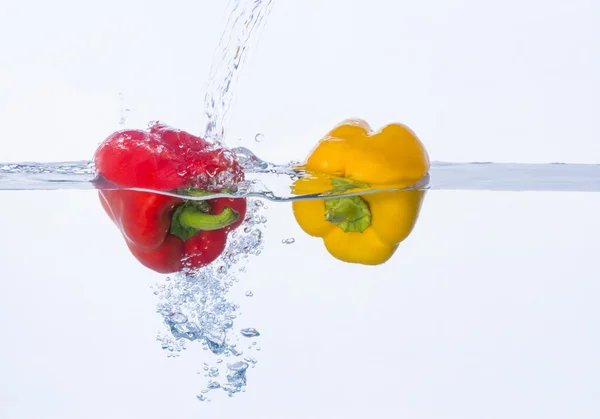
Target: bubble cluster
{"points": [[196, 311]]}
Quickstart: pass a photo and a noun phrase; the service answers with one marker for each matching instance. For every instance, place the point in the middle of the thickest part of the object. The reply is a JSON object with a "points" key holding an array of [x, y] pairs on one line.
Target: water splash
{"points": [[245, 20]]}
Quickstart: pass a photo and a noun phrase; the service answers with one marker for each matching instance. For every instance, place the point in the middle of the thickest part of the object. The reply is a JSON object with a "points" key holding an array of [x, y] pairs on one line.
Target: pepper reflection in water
{"points": [[367, 228]]}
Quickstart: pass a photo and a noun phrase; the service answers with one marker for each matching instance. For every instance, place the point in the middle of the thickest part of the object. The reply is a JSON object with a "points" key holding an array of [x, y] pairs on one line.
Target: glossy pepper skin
{"points": [[367, 228], [167, 234]]}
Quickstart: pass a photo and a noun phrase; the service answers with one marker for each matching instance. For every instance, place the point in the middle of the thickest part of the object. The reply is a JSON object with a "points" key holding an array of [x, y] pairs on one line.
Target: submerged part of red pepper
{"points": [[167, 234]]}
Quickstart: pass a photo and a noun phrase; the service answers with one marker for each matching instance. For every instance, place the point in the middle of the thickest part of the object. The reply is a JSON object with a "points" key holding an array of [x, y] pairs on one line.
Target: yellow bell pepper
{"points": [[365, 228]]}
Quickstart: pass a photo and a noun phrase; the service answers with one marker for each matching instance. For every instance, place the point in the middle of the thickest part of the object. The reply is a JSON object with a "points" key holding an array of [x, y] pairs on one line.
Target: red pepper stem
{"points": [[191, 218]]}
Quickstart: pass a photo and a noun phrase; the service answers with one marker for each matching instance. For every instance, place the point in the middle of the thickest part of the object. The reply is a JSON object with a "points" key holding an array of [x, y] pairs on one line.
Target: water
{"points": [[273, 182], [245, 21], [195, 306]]}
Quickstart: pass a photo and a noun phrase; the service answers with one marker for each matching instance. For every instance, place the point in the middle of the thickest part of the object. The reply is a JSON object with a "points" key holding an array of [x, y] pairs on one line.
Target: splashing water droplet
{"points": [[238, 366], [213, 385], [249, 332], [288, 241], [249, 293], [201, 397], [216, 343], [178, 318], [259, 138], [230, 388]]}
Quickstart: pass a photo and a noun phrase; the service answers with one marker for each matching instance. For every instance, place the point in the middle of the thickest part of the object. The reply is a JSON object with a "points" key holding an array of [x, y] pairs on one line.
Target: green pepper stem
{"points": [[351, 213], [192, 218]]}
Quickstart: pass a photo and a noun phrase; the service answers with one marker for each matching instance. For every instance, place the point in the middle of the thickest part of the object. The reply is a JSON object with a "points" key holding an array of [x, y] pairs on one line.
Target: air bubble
{"points": [[178, 318], [213, 385], [249, 332]]}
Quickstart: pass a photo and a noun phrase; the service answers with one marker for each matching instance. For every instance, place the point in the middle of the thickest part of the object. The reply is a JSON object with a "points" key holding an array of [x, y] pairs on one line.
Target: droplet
{"points": [[259, 138], [228, 387], [124, 115], [216, 342], [288, 240], [249, 332], [249, 293], [201, 397], [238, 366], [178, 318], [237, 378], [212, 385]]}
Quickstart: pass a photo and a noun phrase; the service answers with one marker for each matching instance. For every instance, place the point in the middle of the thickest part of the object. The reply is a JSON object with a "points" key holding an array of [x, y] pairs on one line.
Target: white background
{"points": [[488, 310], [505, 81]]}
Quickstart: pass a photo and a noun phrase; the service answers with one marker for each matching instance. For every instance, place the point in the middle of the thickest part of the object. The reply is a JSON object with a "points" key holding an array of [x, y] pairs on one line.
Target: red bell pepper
{"points": [[167, 234]]}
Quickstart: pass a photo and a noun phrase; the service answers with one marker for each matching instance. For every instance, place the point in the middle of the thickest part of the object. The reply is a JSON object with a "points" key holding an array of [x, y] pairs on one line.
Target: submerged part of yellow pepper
{"points": [[365, 228]]}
